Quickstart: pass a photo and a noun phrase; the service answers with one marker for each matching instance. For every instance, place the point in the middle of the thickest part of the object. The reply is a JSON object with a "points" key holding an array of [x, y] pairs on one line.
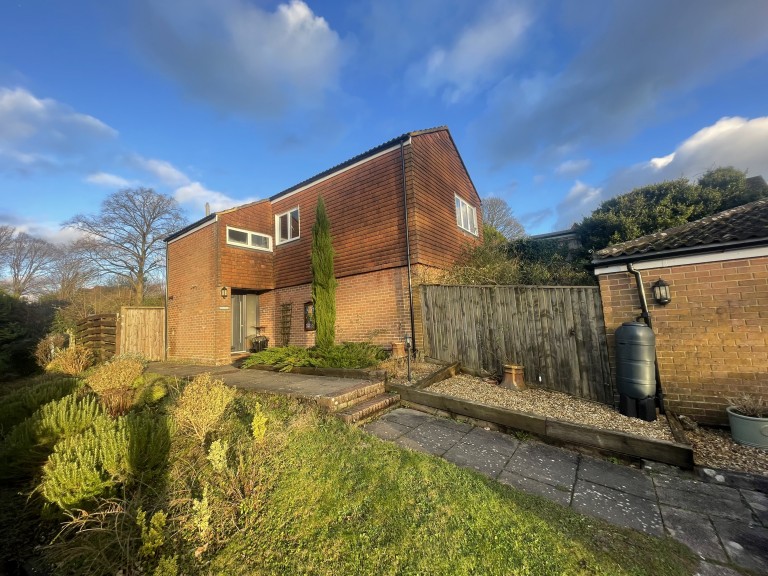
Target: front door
{"points": [[238, 323]]}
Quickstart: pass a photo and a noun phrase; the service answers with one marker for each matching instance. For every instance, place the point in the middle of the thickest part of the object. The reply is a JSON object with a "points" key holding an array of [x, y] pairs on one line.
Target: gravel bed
{"points": [[397, 369], [712, 447], [549, 403]]}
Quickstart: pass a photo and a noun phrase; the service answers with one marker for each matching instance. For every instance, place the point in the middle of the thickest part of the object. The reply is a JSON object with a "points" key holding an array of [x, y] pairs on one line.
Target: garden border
{"points": [[676, 453]]}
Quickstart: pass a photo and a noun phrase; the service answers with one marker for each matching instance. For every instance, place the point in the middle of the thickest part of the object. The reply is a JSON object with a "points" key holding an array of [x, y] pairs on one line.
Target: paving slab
{"points": [[746, 544], [432, 438], [617, 507], [557, 494], [698, 502], [759, 504], [502, 444], [710, 569], [545, 463], [704, 489], [616, 476], [695, 531], [469, 455], [386, 430], [408, 417]]}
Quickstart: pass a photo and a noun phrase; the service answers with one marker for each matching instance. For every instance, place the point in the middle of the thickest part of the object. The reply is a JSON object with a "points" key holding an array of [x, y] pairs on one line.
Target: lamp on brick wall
{"points": [[661, 292], [223, 291]]}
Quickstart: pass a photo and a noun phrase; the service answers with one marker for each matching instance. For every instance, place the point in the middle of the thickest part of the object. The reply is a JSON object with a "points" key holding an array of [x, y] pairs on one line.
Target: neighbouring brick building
{"points": [[246, 271], [712, 338]]}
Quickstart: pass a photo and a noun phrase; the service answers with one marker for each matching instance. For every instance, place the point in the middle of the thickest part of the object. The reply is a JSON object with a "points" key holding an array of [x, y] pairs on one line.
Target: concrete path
{"points": [[294, 385], [724, 526]]}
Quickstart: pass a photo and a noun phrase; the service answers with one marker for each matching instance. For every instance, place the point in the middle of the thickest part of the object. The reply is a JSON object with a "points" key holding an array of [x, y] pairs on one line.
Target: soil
{"points": [[711, 447]]}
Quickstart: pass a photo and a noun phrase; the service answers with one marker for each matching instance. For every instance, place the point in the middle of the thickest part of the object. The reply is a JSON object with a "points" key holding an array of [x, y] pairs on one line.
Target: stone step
{"points": [[368, 409], [350, 396]]}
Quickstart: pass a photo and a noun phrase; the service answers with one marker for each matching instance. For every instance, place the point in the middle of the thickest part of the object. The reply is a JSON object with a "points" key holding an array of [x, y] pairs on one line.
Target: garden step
{"points": [[350, 396], [366, 410]]}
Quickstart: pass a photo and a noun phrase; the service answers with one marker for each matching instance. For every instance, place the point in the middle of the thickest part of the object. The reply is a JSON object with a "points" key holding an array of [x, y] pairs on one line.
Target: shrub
{"points": [[23, 402], [201, 405], [114, 382], [73, 360], [149, 441], [347, 355], [28, 444], [89, 465], [47, 349]]}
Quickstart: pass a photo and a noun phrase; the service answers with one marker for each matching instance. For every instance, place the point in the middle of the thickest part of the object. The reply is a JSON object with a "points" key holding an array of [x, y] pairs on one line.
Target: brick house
{"points": [[246, 271], [712, 337]]}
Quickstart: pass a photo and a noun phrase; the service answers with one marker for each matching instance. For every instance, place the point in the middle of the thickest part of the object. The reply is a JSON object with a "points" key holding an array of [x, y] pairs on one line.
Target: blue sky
{"points": [[555, 106]]}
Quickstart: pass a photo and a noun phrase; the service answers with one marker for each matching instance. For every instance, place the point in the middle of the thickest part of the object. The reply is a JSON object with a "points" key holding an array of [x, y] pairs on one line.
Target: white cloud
{"points": [[197, 195], [573, 167], [731, 141], [163, 170], [477, 54], [43, 134], [242, 58], [108, 180]]}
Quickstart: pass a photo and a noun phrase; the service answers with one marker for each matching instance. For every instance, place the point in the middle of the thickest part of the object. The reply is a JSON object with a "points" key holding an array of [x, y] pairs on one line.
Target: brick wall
{"points": [[711, 339], [198, 330]]}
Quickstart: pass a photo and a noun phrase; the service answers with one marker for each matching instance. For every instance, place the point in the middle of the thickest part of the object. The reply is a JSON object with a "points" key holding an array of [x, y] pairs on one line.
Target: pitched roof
{"points": [[373, 151], [736, 227]]}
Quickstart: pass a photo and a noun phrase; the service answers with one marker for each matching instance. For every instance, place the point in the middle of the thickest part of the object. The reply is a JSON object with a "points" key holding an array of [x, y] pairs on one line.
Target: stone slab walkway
{"points": [[724, 526]]}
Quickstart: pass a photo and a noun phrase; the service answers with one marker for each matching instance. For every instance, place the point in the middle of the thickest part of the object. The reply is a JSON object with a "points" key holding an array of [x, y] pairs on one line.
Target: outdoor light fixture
{"points": [[224, 292], [661, 292]]}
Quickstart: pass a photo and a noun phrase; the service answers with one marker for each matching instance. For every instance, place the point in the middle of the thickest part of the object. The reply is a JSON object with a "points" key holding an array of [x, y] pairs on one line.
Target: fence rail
{"points": [[556, 333], [98, 332]]}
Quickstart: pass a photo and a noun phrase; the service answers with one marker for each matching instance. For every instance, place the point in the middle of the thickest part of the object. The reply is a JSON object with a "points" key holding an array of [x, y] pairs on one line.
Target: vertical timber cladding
{"points": [[142, 331], [556, 333]]}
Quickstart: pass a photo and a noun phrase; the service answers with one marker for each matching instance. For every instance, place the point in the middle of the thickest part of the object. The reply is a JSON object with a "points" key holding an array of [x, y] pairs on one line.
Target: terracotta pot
{"points": [[513, 377], [398, 349]]}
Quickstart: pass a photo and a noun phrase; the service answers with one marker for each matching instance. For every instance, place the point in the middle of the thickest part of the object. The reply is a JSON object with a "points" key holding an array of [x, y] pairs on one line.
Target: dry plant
{"points": [[750, 405], [113, 382], [201, 405], [47, 349], [73, 361]]}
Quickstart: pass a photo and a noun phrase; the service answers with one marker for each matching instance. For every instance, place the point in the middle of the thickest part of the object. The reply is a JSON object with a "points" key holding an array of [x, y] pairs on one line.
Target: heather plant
{"points": [[149, 442], [346, 355], [87, 466], [201, 405], [73, 360], [30, 442], [20, 404]]}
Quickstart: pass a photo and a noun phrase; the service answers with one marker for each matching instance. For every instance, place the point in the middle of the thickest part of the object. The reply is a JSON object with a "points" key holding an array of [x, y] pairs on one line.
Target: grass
{"points": [[343, 502], [277, 487]]}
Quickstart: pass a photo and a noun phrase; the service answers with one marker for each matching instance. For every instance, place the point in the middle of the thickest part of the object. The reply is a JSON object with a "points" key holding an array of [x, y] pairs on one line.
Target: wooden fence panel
{"points": [[556, 333], [98, 333], [142, 331]]}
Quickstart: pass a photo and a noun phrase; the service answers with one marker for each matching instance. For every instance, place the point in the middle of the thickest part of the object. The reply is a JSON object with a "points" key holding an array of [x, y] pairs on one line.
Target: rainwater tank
{"points": [[635, 360]]}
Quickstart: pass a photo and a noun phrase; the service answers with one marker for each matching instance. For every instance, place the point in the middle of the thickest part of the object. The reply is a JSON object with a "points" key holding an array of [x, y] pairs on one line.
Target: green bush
{"points": [[89, 465], [149, 441], [23, 402], [201, 405], [30, 442], [73, 361], [347, 355]]}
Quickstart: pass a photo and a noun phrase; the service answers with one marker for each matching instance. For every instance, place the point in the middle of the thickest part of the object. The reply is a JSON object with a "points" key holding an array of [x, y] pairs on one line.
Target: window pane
{"points": [[464, 216], [295, 224], [259, 241], [473, 220], [458, 211], [237, 236], [284, 227]]}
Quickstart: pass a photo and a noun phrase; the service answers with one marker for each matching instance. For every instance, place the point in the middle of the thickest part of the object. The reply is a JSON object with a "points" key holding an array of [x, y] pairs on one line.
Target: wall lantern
{"points": [[661, 292], [224, 292]]}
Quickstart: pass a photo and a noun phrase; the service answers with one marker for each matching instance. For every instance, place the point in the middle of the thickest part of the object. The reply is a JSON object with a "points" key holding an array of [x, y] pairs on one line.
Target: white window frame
{"points": [[248, 244], [287, 214], [471, 221]]}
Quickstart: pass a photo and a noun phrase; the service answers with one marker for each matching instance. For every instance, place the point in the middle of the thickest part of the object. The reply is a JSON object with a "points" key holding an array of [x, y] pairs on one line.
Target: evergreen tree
{"points": [[323, 279]]}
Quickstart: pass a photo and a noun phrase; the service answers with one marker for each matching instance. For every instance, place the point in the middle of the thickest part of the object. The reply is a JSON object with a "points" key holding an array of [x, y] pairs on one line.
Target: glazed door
{"points": [[238, 323]]}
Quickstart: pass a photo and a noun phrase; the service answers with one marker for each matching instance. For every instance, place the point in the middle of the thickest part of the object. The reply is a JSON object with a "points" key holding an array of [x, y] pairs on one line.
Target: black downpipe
{"points": [[408, 260], [646, 316]]}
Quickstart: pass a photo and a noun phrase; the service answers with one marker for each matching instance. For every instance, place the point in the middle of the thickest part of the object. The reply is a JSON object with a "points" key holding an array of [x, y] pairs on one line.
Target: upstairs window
{"points": [[248, 239], [466, 216], [287, 226]]}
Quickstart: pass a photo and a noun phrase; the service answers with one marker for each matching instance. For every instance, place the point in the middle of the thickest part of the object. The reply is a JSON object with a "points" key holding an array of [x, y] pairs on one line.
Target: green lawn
{"points": [[271, 486]]}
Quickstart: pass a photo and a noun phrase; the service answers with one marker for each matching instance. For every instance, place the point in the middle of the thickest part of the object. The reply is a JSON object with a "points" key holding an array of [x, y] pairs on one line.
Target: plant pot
{"points": [[398, 349], [748, 430], [513, 377]]}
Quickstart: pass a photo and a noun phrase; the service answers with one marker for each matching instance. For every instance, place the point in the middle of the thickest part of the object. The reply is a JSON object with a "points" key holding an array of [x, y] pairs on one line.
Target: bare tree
{"points": [[498, 215], [71, 270], [30, 260], [125, 239]]}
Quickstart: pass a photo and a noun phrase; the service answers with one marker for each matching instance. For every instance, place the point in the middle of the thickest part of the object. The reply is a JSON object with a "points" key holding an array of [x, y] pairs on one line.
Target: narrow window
{"points": [[466, 216], [288, 226]]}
